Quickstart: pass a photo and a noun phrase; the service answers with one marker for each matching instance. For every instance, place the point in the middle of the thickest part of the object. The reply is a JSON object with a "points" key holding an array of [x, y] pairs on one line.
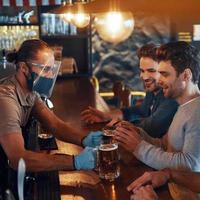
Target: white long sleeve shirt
{"points": [[180, 148]]}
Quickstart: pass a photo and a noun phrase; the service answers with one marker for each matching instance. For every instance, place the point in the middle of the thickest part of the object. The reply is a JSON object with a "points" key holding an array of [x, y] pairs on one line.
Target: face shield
{"points": [[43, 78]]}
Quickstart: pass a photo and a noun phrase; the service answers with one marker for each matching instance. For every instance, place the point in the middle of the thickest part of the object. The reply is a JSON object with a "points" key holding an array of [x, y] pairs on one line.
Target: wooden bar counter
{"points": [[70, 97]]}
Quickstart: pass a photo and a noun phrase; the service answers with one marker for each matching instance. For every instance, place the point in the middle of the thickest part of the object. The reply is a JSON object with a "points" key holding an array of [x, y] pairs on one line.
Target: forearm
{"points": [[54, 125], [186, 158], [158, 158], [190, 180], [44, 162], [151, 140], [68, 133]]}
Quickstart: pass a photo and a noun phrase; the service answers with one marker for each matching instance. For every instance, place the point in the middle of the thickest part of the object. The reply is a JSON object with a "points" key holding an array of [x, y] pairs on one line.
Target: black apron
{"points": [[8, 176], [3, 173]]}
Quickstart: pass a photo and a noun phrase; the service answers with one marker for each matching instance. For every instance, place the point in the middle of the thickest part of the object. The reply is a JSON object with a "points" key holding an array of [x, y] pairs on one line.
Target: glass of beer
{"points": [[108, 133], [43, 133], [108, 161]]}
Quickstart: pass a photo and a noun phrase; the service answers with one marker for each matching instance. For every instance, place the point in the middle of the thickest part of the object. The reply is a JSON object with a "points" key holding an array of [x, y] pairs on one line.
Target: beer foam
{"points": [[108, 133], [108, 147]]}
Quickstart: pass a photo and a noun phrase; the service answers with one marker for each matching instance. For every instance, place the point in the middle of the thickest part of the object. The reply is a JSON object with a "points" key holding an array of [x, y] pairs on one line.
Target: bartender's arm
{"points": [[12, 141], [60, 129], [13, 145]]}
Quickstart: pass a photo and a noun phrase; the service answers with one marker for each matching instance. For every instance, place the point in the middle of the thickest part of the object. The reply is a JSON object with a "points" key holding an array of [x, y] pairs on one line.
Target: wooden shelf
{"points": [[74, 75], [2, 24], [78, 36]]}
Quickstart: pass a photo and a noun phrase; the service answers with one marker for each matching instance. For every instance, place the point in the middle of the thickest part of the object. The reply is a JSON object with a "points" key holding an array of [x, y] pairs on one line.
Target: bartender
{"points": [[36, 72]]}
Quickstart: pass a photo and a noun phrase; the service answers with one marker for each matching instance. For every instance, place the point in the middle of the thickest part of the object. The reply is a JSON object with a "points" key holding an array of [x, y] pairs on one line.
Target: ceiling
{"points": [[183, 13], [175, 8]]}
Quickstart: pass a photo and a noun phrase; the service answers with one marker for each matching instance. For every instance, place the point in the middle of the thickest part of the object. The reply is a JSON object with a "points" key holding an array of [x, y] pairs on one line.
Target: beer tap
{"points": [[20, 178]]}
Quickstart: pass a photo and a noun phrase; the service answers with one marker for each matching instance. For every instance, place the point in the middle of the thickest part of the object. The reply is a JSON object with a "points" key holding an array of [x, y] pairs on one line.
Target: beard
{"points": [[150, 85], [172, 93]]}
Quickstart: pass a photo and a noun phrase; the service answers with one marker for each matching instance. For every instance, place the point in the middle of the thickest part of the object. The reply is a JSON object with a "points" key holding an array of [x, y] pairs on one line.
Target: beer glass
{"points": [[108, 161], [108, 133], [43, 133]]}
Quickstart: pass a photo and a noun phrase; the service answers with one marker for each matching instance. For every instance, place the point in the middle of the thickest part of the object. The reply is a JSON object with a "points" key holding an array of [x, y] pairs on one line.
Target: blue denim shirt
{"points": [[154, 115]]}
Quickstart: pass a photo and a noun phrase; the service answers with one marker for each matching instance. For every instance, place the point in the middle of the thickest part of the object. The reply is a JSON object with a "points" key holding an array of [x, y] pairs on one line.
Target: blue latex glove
{"points": [[93, 139], [86, 159]]}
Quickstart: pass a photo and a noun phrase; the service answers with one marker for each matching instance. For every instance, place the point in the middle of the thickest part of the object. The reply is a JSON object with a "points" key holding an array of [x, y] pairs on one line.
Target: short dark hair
{"points": [[28, 50], [182, 55], [148, 50]]}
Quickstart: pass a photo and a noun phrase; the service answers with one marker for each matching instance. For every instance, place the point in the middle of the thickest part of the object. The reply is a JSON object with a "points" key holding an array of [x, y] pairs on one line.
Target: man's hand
{"points": [[127, 135], [92, 115], [93, 139], [156, 179], [128, 125], [86, 160], [144, 193], [113, 122]]}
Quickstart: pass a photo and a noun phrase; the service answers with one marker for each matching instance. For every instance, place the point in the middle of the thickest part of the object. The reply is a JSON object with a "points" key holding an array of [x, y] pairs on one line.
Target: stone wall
{"points": [[120, 62]]}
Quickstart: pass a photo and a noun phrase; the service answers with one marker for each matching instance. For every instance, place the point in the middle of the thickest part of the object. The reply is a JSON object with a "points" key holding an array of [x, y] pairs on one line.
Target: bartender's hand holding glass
{"points": [[93, 139], [86, 160], [92, 115], [127, 136]]}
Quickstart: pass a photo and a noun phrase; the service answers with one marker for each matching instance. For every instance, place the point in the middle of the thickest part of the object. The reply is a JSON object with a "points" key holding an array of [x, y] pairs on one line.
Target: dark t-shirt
{"points": [[15, 106], [154, 115], [15, 109]]}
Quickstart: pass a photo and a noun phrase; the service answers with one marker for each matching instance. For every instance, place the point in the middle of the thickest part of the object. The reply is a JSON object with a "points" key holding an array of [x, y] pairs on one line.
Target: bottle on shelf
{"points": [[56, 25], [11, 37]]}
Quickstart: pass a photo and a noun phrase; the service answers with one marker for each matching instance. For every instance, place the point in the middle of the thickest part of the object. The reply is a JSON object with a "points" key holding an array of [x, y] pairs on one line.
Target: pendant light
{"points": [[79, 18], [114, 26]]}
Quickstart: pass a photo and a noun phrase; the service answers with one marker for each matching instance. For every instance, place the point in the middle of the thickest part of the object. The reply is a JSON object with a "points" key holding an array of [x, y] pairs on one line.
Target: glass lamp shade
{"points": [[81, 20], [114, 27]]}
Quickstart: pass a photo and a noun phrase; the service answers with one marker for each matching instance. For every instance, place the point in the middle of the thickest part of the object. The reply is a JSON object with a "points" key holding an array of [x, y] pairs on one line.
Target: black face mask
{"points": [[43, 86]]}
